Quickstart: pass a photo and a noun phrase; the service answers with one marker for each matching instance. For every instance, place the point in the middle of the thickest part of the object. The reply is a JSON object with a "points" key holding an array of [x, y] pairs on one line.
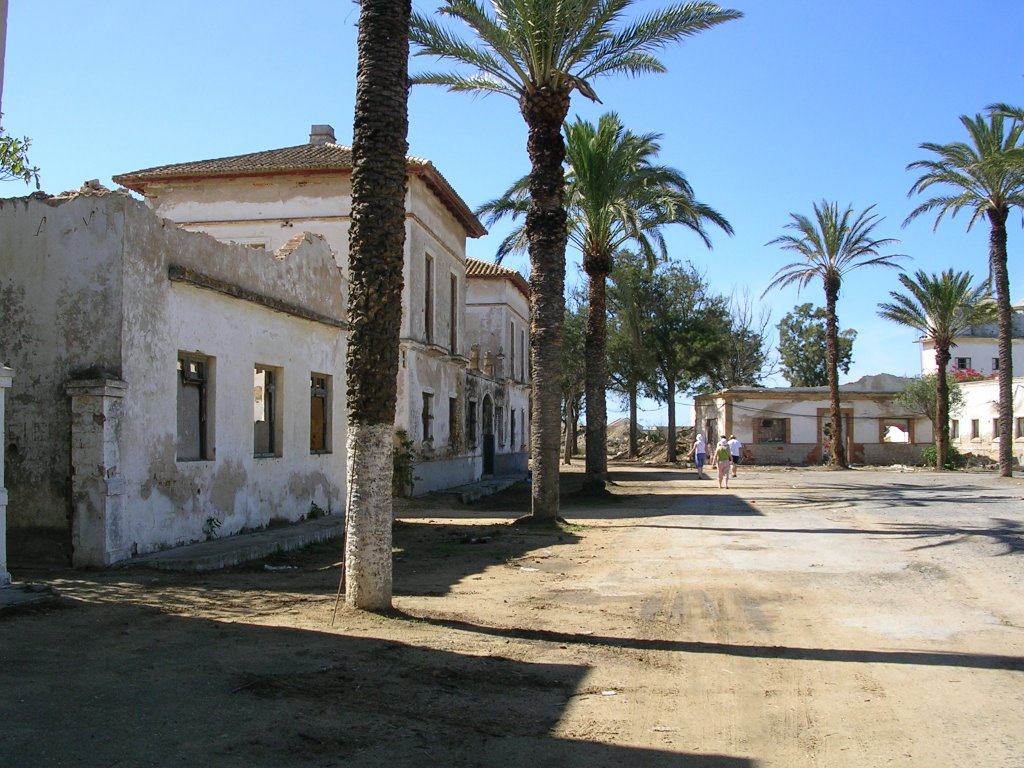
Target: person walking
{"points": [[700, 454], [722, 460], [735, 450]]}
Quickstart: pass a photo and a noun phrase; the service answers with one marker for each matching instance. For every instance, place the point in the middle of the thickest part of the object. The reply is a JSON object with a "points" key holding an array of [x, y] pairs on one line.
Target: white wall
{"points": [[981, 403]]}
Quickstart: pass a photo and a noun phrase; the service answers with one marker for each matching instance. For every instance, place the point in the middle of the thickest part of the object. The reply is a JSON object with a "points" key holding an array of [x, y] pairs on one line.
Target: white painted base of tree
{"points": [[369, 517]]}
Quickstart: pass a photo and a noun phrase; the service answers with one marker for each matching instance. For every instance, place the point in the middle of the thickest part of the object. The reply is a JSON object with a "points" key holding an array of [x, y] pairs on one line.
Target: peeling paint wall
{"points": [[93, 297], [60, 311]]}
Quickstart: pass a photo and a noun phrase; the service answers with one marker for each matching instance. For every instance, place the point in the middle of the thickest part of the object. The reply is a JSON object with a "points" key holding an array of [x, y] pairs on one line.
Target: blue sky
{"points": [[799, 101]]}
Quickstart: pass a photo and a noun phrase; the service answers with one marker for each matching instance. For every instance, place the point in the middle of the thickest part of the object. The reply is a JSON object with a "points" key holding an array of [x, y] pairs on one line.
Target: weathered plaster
{"points": [[90, 275]]}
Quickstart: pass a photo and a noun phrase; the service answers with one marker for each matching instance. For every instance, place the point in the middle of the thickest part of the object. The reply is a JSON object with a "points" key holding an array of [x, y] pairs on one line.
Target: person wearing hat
{"points": [[722, 460], [735, 449], [700, 454]]}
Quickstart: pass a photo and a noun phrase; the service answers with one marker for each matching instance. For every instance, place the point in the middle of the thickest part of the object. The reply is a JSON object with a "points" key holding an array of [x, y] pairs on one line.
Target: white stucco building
{"points": [[977, 348], [169, 387], [453, 408]]}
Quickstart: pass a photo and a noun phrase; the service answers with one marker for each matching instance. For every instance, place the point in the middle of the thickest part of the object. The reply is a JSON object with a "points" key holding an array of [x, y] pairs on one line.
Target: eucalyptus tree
{"points": [[538, 52], [616, 195], [830, 246], [984, 176], [376, 253], [941, 307]]}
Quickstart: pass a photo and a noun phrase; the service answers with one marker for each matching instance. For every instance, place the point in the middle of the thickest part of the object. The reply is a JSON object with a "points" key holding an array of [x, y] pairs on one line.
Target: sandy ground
{"points": [[802, 618]]}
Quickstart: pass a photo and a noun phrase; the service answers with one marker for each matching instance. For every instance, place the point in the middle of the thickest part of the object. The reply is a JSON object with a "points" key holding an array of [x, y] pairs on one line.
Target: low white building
{"points": [[790, 425], [169, 387]]}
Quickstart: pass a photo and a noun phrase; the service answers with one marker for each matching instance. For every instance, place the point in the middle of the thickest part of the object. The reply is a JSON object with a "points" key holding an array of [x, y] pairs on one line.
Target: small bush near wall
{"points": [[954, 459], [402, 477]]}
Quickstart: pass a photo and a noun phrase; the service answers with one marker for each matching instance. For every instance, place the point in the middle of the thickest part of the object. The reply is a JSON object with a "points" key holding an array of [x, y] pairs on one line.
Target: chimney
{"points": [[322, 134]]}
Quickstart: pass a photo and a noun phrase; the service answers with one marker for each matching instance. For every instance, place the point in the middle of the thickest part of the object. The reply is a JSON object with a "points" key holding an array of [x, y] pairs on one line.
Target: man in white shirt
{"points": [[735, 448]]}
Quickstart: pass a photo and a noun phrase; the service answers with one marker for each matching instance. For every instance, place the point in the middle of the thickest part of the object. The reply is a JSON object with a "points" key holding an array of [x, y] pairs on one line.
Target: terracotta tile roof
{"points": [[487, 270], [304, 158]]}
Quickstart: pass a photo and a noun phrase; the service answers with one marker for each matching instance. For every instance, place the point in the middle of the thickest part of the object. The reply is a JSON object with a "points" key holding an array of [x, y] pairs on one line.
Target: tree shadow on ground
{"points": [[916, 658], [619, 502], [1008, 534], [139, 686]]}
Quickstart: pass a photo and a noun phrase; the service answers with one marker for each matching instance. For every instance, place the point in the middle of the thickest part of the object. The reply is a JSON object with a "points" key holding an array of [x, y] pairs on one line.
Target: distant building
{"points": [[790, 425]]}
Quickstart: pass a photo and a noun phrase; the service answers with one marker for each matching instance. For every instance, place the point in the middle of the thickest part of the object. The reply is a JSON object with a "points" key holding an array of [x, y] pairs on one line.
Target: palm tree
{"points": [[832, 245], [616, 195], [376, 248], [986, 178], [538, 52], [941, 307]]}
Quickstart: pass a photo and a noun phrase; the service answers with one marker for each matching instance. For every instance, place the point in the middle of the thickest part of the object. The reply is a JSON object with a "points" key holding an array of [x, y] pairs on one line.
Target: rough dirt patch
{"points": [[803, 618]]}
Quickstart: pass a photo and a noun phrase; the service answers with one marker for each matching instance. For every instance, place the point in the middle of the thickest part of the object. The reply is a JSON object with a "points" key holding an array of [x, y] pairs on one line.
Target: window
{"points": [[512, 428], [975, 429], [194, 427], [895, 430], [995, 363], [319, 413], [995, 429], [471, 423], [428, 416], [963, 363], [499, 419], [266, 426], [453, 422], [453, 312], [954, 429], [711, 431], [522, 355], [512, 350], [1018, 428], [522, 424], [770, 430], [428, 298]]}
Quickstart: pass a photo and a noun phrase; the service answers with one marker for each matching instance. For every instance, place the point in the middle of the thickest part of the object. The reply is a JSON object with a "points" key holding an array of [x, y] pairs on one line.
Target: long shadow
{"points": [[1007, 533], [916, 658], [429, 559], [702, 500], [103, 685]]}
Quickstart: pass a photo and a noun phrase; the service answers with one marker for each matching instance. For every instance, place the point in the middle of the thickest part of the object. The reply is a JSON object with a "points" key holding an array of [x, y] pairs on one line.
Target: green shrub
{"points": [[402, 477], [954, 459]]}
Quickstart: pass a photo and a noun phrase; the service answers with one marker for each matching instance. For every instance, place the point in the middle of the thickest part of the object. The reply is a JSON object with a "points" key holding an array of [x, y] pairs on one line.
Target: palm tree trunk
{"points": [[376, 253], [941, 406], [671, 391], [1000, 273], [838, 444], [596, 357], [634, 448], [544, 111]]}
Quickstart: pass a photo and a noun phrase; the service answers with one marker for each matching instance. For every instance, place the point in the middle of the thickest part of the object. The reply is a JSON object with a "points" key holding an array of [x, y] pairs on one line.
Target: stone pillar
{"points": [[97, 488], [6, 379]]}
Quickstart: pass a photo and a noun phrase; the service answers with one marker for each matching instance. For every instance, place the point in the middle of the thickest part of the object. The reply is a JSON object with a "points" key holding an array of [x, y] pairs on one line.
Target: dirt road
{"points": [[802, 618]]}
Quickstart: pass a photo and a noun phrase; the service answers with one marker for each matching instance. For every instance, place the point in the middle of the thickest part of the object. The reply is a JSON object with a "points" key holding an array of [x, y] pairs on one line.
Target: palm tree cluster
{"points": [[616, 195], [539, 53], [601, 189]]}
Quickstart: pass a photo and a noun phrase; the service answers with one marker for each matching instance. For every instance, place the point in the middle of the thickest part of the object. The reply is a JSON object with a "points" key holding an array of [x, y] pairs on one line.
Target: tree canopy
{"points": [[802, 345]]}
